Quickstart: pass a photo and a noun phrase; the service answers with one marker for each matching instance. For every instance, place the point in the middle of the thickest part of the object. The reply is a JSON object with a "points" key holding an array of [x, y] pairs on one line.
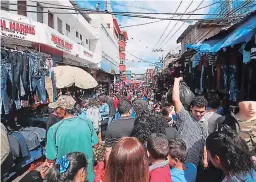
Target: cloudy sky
{"points": [[143, 39]]}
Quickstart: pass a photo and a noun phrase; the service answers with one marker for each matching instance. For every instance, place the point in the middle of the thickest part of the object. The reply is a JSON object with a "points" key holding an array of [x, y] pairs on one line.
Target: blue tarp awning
{"points": [[242, 33]]}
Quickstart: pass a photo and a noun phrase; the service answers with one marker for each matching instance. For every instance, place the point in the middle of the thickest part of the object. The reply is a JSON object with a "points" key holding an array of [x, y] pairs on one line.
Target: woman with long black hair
{"points": [[230, 153]]}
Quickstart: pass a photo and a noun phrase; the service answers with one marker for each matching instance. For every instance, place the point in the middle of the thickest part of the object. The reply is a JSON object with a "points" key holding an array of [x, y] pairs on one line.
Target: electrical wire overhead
{"points": [[174, 26], [166, 27], [140, 24], [131, 6], [181, 26], [244, 5]]}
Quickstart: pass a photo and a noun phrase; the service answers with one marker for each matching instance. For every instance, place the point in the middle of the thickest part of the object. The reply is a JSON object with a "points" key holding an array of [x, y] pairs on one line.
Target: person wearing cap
{"points": [[70, 134]]}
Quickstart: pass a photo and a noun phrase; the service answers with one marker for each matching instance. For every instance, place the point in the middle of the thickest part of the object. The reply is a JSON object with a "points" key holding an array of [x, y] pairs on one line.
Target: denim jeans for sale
{"points": [[233, 83], [24, 71], [37, 66], [201, 80], [39, 85], [16, 59], [6, 73], [4, 96], [225, 76]]}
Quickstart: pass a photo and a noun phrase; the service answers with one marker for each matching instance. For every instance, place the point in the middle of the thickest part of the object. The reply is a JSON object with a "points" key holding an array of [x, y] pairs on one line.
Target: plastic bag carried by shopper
{"points": [[186, 95]]}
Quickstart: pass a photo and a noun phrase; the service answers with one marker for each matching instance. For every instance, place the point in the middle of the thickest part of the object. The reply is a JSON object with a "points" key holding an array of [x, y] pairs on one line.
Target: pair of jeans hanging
{"points": [[233, 83], [4, 95], [201, 80], [24, 73], [38, 84]]}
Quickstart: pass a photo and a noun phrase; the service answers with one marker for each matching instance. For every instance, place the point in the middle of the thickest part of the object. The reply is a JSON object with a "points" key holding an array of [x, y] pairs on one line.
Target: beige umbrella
{"points": [[67, 76]]}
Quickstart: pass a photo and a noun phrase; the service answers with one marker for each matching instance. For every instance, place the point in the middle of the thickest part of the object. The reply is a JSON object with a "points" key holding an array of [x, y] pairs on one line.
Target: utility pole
{"points": [[106, 6]]}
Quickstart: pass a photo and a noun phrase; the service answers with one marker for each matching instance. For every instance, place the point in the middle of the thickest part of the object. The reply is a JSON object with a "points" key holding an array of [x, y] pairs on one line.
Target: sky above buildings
{"points": [[143, 39]]}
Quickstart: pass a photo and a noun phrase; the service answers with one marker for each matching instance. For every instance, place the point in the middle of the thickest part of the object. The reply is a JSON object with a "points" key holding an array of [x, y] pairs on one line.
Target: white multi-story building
{"points": [[107, 48], [57, 27]]}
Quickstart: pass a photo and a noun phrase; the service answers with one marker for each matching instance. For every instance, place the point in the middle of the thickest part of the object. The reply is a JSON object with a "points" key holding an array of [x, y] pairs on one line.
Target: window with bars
{"points": [[40, 15], [67, 29], [50, 20], [59, 25], [22, 7], [5, 5]]}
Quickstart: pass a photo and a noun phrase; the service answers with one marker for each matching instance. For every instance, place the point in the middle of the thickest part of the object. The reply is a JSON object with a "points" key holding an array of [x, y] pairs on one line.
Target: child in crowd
{"points": [[71, 167], [180, 171], [157, 147]]}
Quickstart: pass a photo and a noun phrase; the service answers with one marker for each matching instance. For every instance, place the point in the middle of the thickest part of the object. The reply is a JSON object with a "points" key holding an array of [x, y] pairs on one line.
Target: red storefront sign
{"points": [[16, 30], [61, 43], [7, 25]]}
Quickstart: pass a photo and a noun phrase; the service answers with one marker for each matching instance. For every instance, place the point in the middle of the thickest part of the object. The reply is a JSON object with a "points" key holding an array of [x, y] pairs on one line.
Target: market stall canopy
{"points": [[241, 32], [67, 76]]}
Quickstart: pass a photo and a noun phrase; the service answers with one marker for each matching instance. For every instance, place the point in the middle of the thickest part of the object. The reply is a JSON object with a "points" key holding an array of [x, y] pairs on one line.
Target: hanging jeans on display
{"points": [[201, 80], [5, 74], [210, 78], [39, 85], [4, 95], [225, 77], [233, 83], [37, 77], [16, 60], [197, 79], [24, 73]]}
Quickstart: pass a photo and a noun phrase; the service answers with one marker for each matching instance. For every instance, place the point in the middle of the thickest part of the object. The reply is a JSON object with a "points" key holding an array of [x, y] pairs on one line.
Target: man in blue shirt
{"points": [[104, 108]]}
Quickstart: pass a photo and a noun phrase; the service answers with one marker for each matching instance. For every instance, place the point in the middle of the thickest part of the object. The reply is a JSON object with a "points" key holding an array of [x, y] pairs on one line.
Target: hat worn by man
{"points": [[64, 102]]}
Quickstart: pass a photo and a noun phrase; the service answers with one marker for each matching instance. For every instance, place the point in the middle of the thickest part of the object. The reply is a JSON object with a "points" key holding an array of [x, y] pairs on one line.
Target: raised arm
{"points": [[176, 94]]}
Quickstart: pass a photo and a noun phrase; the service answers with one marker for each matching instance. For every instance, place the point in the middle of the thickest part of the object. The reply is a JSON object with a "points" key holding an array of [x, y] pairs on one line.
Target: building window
{"points": [[67, 29], [5, 5], [121, 37], [59, 25], [108, 24], [50, 20], [40, 16], [87, 41], [81, 37], [77, 34], [22, 8]]}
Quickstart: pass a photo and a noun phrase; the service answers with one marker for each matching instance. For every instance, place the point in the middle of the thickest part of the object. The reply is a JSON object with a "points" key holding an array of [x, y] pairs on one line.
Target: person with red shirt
{"points": [[115, 99], [157, 150]]}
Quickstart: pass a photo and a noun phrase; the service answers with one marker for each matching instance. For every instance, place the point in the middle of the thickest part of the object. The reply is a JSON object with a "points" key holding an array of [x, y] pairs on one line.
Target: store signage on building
{"points": [[87, 54], [15, 29], [61, 43]]}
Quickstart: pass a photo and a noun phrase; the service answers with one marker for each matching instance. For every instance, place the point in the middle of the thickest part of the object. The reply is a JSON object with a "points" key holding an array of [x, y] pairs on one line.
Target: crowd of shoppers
{"points": [[141, 141]]}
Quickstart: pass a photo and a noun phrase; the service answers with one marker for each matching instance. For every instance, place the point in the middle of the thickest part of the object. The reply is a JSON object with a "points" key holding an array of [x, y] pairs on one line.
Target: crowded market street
{"points": [[114, 91]]}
